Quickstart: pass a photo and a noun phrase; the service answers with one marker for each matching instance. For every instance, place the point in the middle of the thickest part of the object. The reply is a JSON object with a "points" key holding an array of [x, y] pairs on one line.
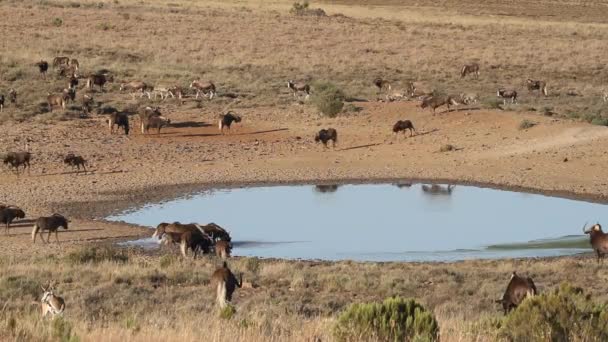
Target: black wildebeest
{"points": [[506, 94], [536, 85], [75, 161], [471, 68], [326, 135], [519, 288], [8, 214], [402, 125], [52, 224], [73, 82], [16, 159], [43, 67], [120, 120], [225, 283], [69, 94], [226, 120], [436, 101], [598, 240], [216, 232], [155, 122], [99, 80]]}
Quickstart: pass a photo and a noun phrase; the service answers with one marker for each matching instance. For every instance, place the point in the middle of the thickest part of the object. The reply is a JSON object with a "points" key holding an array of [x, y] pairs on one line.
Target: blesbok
{"points": [[67, 71], [506, 94], [12, 95], [16, 159], [52, 224], [436, 189], [471, 68], [533, 85], [75, 161], [140, 87], [519, 288], [145, 114], [298, 87], [43, 67], [55, 100], [223, 249], [436, 101], [598, 240], [382, 84], [60, 60], [206, 88], [51, 303], [325, 135], [402, 125], [163, 92], [99, 80], [120, 120], [226, 120], [225, 283], [189, 236], [9, 214]]}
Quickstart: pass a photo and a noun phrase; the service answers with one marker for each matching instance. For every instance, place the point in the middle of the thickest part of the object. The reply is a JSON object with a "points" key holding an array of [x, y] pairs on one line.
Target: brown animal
{"points": [[205, 88], [190, 236], [382, 84], [506, 94], [225, 283], [223, 249], [50, 303], [298, 87], [436, 101], [99, 80], [55, 100], [402, 125], [138, 87], [325, 135], [74, 63], [9, 214], [227, 119], [519, 288], [87, 103], [120, 120], [471, 68], [59, 61], [1, 103], [598, 240], [533, 85], [16, 159], [52, 224], [147, 113], [155, 122], [12, 95], [69, 94], [75, 161]]}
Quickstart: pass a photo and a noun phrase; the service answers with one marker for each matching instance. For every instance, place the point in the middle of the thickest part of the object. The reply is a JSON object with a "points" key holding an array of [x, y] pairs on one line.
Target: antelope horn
{"points": [[585, 226]]}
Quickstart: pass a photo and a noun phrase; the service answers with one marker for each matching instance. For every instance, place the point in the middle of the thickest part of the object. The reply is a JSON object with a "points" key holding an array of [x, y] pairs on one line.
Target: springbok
{"points": [[298, 87], [205, 88], [138, 87], [225, 283], [50, 303]]}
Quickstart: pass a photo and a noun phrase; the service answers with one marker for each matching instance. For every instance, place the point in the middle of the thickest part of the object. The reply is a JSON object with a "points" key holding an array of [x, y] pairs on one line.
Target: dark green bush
{"points": [[57, 22], [328, 99], [395, 319], [565, 314], [525, 124]]}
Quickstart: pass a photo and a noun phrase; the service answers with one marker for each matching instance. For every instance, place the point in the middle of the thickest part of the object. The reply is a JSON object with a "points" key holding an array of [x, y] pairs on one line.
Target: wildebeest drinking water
{"points": [[325, 135]]}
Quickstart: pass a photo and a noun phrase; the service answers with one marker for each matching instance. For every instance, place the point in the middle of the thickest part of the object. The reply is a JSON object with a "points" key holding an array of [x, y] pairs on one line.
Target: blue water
{"points": [[383, 222]]}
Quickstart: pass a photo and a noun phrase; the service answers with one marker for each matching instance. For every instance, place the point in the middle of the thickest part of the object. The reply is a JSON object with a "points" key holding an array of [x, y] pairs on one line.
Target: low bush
{"points": [[526, 124], [97, 255], [328, 98]]}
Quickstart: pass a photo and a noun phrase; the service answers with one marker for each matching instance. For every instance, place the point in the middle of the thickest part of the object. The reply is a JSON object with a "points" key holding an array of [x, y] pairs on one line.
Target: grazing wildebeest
{"points": [[225, 283], [52, 224], [138, 87], [436, 101], [75, 161], [50, 303], [223, 249], [298, 87], [326, 135], [519, 288], [9, 214], [537, 85], [43, 67], [16, 159], [507, 94], [60, 61], [471, 68], [227, 119], [156, 122], [382, 84], [120, 120], [55, 100], [598, 240], [69, 94], [205, 88], [189, 236], [99, 80], [402, 125]]}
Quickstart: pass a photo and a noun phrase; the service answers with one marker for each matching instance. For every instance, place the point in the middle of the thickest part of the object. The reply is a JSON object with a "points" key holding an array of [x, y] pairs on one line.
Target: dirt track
{"points": [[276, 145]]}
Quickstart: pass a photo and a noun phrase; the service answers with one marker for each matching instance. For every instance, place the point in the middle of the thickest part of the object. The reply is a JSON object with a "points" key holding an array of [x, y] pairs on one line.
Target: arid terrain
{"points": [[250, 49]]}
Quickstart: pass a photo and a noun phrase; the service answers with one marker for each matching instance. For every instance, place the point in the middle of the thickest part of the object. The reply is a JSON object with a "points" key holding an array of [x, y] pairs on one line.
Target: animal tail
{"points": [[183, 247], [219, 125], [34, 231], [221, 294], [545, 90], [463, 71]]}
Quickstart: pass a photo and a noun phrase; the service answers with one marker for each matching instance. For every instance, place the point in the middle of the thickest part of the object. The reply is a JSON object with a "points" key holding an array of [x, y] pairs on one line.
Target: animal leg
{"points": [[41, 236], [6, 230], [56, 235], [48, 237]]}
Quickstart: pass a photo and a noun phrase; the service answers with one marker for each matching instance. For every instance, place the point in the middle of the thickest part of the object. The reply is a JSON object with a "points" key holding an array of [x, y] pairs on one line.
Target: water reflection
{"points": [[436, 189], [326, 188]]}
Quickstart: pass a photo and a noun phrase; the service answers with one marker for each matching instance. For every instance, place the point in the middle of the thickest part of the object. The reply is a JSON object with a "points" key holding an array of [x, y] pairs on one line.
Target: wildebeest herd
{"points": [[211, 238]]}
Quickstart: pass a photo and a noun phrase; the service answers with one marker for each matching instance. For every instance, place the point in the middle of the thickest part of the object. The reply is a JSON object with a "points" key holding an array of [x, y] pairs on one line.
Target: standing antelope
{"points": [[506, 94], [50, 303], [298, 87], [225, 283], [598, 240], [205, 88], [138, 87], [471, 68], [382, 84], [223, 249]]}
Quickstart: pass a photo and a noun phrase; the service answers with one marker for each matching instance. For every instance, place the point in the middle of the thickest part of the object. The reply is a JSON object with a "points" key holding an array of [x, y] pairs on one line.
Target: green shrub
{"points": [[227, 312], [97, 255], [600, 121], [565, 314], [57, 22], [396, 319], [526, 124], [328, 99], [62, 330]]}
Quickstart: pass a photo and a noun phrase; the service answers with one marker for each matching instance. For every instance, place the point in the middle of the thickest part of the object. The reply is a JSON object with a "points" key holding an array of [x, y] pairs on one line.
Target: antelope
{"points": [[69, 94], [55, 100], [75, 161], [325, 135], [471, 68], [12, 95], [536, 85], [52, 224], [434, 102], [147, 113], [156, 122], [205, 88], [138, 86], [507, 94], [59, 61], [227, 119], [50, 303], [225, 283], [216, 232], [190, 236], [223, 249], [1, 103], [598, 240], [382, 84], [74, 63], [468, 99], [519, 288], [299, 87], [402, 125], [87, 103]]}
